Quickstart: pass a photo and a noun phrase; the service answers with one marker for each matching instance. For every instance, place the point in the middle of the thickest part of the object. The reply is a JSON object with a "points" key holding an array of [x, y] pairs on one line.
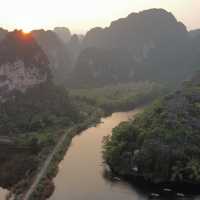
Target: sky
{"points": [[81, 15]]}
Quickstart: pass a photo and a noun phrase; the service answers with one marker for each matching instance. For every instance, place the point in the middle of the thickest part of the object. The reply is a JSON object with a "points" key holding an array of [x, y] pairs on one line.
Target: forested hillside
{"points": [[120, 97], [162, 144]]}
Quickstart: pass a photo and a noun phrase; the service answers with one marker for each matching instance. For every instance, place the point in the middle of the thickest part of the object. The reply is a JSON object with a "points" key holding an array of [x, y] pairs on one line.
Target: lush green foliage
{"points": [[16, 164], [120, 97], [161, 144], [42, 106]]}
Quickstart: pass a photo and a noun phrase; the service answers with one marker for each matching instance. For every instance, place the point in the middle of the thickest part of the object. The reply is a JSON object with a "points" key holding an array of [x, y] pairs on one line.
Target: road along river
{"points": [[81, 173]]}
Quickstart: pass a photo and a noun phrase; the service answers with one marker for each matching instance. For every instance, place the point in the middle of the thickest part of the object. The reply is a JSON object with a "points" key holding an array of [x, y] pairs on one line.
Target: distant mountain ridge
{"points": [[149, 45], [63, 33], [57, 53], [126, 30], [60, 47], [195, 33], [3, 33]]}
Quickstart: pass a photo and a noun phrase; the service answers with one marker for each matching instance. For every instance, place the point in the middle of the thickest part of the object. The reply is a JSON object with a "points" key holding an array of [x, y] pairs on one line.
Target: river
{"points": [[81, 173], [3, 193]]}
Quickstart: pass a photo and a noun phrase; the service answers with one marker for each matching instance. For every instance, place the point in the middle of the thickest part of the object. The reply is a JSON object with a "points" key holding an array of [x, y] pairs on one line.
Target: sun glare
{"points": [[79, 15], [26, 32]]}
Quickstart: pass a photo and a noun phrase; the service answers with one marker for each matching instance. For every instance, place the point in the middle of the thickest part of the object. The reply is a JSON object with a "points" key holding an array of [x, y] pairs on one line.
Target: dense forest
{"points": [[40, 107], [120, 97], [162, 144]]}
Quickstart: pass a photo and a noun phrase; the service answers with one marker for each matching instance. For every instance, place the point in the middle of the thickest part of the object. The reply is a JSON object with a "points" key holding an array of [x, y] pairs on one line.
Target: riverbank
{"points": [[83, 162], [80, 173], [163, 189], [44, 188], [158, 145]]}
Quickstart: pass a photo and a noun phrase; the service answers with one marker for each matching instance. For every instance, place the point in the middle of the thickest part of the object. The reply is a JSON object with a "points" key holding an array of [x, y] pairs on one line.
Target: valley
{"points": [[109, 114]]}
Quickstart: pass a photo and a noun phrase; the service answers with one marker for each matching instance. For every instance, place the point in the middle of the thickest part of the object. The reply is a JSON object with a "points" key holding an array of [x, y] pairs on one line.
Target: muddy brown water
{"points": [[3, 193], [80, 175]]}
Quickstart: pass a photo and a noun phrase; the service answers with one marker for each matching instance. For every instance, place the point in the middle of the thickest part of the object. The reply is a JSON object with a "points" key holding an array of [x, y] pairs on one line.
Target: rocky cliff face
{"points": [[195, 33], [149, 45], [74, 45], [63, 33], [29, 99], [137, 32], [23, 64], [3, 34], [57, 53], [195, 36]]}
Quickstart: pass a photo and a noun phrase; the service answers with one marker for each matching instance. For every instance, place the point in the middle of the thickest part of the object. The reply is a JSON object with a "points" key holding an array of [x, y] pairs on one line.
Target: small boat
{"points": [[154, 195], [135, 169], [167, 190], [180, 194], [117, 178]]}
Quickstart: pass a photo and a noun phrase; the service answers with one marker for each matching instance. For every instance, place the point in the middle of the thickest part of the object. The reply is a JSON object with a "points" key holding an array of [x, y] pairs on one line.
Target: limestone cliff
{"points": [[22, 64]]}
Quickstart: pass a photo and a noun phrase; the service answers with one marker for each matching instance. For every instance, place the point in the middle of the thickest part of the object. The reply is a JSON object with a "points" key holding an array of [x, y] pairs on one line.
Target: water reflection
{"points": [[164, 193]]}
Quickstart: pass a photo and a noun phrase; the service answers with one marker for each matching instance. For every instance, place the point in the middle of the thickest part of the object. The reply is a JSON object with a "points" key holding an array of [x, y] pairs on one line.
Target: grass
{"points": [[120, 97]]}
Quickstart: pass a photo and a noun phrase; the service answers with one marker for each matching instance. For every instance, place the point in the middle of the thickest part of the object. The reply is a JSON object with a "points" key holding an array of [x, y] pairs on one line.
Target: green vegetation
{"points": [[46, 141], [16, 164], [161, 144], [38, 118], [45, 189], [120, 97], [35, 121], [38, 108]]}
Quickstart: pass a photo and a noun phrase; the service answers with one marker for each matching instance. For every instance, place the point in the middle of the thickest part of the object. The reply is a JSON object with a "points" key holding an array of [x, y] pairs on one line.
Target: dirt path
{"points": [[43, 170]]}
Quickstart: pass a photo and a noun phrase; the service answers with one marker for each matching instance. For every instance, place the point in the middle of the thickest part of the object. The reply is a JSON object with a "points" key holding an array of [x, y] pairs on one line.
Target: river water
{"points": [[3, 193], [81, 173]]}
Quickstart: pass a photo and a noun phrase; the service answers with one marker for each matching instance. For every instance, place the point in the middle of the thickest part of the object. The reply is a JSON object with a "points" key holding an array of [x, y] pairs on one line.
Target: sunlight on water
{"points": [[81, 172]]}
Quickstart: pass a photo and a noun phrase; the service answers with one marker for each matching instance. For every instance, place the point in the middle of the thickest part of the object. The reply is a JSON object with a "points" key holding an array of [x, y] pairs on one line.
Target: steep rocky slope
{"points": [[57, 53], [3, 33], [74, 46], [29, 99], [22, 64], [149, 45], [63, 33], [195, 33]]}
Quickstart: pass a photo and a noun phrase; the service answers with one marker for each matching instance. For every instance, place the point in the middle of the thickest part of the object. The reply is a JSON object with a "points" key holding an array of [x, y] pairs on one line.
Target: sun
{"points": [[26, 31], [26, 35]]}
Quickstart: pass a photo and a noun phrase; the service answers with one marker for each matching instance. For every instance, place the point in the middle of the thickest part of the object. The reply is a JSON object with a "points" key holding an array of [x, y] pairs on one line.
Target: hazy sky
{"points": [[81, 15]]}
